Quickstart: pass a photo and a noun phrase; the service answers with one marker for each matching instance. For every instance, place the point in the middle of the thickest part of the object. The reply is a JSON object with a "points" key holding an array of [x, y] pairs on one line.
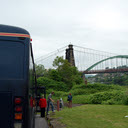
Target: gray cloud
{"points": [[97, 24]]}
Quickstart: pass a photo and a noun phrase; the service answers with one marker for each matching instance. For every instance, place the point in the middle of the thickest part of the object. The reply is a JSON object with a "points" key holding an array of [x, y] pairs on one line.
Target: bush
{"points": [[109, 102], [97, 86], [125, 98], [60, 94], [87, 94], [98, 98], [81, 99], [51, 84], [83, 91]]}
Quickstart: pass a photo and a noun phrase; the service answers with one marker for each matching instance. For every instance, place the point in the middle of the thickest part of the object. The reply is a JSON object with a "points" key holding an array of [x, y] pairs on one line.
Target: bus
{"points": [[17, 78]]}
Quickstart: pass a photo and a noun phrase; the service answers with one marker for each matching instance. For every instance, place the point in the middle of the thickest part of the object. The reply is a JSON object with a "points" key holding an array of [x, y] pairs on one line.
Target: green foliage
{"points": [[97, 94], [54, 75], [96, 87], [79, 92], [81, 99], [68, 74], [100, 94], [58, 62], [77, 78], [62, 78], [51, 84], [40, 70], [109, 102], [125, 98], [98, 98]]}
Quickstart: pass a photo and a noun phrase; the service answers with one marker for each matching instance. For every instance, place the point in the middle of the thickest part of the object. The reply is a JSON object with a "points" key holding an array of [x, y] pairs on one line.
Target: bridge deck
{"points": [[106, 71]]}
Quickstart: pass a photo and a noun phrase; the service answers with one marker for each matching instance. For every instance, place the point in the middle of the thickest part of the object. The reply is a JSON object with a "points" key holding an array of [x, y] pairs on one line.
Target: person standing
{"points": [[50, 102], [61, 103], [70, 100], [42, 104], [31, 102]]}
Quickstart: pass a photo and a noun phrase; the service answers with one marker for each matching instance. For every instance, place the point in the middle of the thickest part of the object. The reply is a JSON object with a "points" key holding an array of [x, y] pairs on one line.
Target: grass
{"points": [[94, 116]]}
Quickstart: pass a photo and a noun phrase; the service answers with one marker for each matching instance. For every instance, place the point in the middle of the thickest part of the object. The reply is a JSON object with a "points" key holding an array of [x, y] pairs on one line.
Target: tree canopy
{"points": [[63, 74]]}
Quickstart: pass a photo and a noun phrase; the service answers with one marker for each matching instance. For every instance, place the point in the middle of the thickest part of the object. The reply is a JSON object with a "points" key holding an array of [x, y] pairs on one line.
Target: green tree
{"points": [[40, 70], [51, 84], [54, 74], [69, 74]]}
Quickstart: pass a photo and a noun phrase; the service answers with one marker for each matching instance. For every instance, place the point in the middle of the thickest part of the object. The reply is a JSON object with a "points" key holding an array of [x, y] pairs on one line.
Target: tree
{"points": [[54, 74], [40, 70], [69, 74], [51, 84]]}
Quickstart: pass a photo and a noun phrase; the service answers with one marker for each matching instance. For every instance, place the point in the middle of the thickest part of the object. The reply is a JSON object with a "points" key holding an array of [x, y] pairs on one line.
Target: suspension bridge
{"points": [[88, 61]]}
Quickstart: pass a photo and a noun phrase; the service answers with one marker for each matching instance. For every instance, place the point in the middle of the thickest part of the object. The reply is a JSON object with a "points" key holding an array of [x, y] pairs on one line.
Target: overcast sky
{"points": [[96, 24]]}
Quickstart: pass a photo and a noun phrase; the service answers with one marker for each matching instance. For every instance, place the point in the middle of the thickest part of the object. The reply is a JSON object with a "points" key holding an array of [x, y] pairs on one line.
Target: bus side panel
{"points": [[6, 110]]}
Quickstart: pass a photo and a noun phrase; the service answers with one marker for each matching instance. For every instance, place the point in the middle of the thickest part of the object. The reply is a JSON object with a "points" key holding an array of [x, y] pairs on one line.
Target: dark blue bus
{"points": [[17, 78]]}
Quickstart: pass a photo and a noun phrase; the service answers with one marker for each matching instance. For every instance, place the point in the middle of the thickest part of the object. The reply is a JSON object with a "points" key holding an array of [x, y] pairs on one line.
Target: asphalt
{"points": [[40, 122]]}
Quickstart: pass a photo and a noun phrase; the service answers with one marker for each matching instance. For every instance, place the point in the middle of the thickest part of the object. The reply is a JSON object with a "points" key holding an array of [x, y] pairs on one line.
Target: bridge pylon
{"points": [[70, 55]]}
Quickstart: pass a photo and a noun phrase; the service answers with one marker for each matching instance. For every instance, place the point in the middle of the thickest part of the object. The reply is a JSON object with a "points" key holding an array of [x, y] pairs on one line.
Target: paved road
{"points": [[40, 122]]}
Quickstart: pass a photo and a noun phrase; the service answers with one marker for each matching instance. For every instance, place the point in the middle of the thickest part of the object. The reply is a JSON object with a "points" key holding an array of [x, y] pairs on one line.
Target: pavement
{"points": [[40, 122]]}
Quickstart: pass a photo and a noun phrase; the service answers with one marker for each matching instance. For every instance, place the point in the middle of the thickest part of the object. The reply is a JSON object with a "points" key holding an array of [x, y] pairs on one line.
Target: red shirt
{"points": [[31, 102], [42, 103]]}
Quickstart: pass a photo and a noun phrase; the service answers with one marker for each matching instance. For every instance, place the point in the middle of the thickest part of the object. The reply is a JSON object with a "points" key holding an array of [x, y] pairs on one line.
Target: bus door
{"points": [[40, 91]]}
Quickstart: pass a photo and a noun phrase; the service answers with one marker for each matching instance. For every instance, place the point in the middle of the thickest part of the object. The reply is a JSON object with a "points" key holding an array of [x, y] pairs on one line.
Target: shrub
{"points": [[81, 99], [58, 94], [109, 102], [83, 91], [98, 98], [125, 98], [97, 87], [52, 84]]}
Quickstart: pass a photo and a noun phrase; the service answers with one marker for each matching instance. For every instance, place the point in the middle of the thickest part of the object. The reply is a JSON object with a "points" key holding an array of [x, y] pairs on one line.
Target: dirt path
{"points": [[65, 104], [73, 105]]}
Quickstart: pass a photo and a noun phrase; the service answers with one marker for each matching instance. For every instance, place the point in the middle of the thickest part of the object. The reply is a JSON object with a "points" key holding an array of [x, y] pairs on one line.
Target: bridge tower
{"points": [[70, 55]]}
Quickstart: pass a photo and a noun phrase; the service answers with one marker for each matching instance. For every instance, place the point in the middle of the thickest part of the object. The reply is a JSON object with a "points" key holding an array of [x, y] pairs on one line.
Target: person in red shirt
{"points": [[31, 101], [42, 104]]}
